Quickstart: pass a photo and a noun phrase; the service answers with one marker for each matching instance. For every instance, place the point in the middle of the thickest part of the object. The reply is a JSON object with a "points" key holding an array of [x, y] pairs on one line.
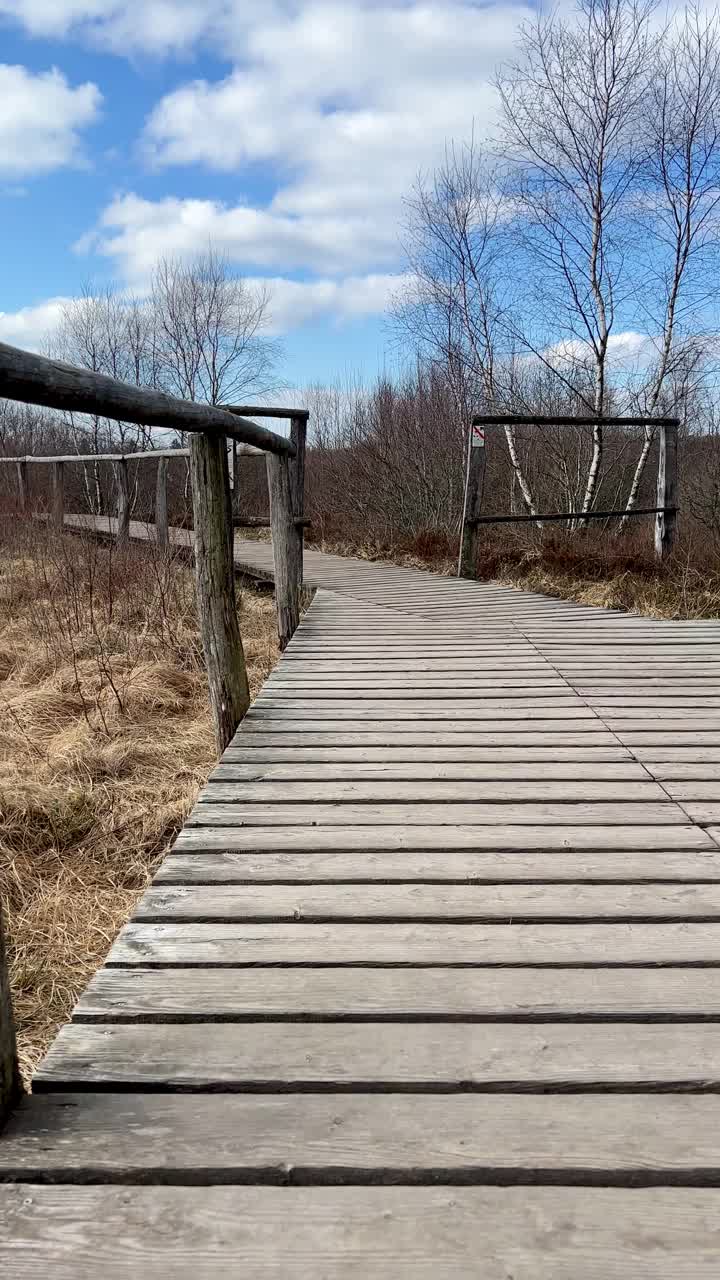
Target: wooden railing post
{"points": [[474, 478], [22, 479], [123, 502], [10, 1088], [58, 494], [667, 491], [161, 507], [215, 577], [287, 548], [298, 433]]}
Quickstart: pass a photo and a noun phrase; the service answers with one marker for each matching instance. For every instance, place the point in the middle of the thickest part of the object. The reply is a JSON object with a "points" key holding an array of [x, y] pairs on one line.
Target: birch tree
{"points": [[452, 308], [680, 208], [571, 102]]}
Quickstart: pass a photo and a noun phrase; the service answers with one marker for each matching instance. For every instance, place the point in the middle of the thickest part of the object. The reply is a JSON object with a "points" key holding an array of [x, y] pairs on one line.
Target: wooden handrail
{"points": [[34, 379], [140, 456]]}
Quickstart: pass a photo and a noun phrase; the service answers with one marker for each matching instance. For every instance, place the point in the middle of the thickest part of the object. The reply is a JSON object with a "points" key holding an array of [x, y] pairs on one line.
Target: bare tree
{"points": [[452, 308], [571, 104], [680, 209], [106, 332], [211, 330]]}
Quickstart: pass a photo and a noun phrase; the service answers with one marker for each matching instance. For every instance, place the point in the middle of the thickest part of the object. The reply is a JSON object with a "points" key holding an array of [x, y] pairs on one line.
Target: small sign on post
{"points": [[474, 477]]}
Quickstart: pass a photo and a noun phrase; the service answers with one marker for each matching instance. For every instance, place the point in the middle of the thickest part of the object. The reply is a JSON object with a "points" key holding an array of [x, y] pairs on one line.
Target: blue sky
{"points": [[285, 132]]}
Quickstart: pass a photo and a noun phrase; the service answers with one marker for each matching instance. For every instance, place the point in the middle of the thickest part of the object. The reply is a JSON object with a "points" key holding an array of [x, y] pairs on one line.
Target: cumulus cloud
{"points": [[339, 104], [123, 26], [31, 327], [41, 119], [136, 232], [296, 302]]}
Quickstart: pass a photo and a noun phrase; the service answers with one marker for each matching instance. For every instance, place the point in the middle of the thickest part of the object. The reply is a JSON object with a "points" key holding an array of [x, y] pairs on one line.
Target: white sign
{"points": [[478, 437]]}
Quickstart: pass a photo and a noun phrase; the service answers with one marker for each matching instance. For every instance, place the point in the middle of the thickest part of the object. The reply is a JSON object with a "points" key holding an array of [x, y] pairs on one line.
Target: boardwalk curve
{"points": [[428, 985]]}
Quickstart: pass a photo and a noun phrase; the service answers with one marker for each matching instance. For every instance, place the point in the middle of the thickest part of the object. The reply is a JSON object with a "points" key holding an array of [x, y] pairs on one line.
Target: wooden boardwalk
{"points": [[429, 985]]}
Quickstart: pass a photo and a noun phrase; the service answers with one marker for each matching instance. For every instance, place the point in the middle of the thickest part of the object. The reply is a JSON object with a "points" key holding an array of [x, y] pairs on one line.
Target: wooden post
{"points": [[123, 502], [10, 1088], [667, 491], [215, 577], [22, 478], [161, 508], [474, 480], [287, 548], [298, 433], [58, 494]]}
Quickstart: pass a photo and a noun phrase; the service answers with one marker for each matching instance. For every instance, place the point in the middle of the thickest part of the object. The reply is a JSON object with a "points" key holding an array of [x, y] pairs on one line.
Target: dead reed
{"points": [[105, 738]]}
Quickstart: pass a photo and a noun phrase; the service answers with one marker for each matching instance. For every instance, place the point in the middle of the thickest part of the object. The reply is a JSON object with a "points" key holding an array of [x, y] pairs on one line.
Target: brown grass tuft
{"points": [[105, 738]]}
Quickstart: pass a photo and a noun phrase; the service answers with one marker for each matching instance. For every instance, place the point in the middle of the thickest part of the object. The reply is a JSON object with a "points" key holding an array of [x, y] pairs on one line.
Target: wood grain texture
{"points": [[433, 944], [215, 580], [506, 903], [348, 1137], [519, 994], [360, 1233], [437, 866], [550, 837], [425, 1056]]}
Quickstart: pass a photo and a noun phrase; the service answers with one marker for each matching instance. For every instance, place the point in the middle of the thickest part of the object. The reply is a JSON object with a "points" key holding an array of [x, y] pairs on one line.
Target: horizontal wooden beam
{"points": [[34, 379], [538, 420], [264, 522], [141, 455], [155, 454], [264, 411]]}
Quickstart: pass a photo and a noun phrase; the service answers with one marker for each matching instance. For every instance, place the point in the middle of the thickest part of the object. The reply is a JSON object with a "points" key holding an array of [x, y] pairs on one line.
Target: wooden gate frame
{"points": [[665, 512]]}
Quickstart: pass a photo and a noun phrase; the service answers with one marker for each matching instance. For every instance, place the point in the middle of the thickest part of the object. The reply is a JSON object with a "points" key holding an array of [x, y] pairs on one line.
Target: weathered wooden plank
{"points": [[366, 732], [507, 903], [401, 792], [677, 753], [436, 944], [456, 836], [695, 791], [402, 709], [470, 866], [698, 771], [351, 1138], [360, 1233], [600, 771], [273, 1055], [249, 753], [141, 994], [451, 814]]}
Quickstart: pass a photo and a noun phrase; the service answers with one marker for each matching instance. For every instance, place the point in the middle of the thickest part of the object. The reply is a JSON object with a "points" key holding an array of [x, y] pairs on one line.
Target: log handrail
{"points": [[34, 379]]}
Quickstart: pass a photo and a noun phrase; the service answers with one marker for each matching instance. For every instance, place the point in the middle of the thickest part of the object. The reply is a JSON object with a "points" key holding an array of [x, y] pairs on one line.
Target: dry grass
{"points": [[593, 568], [598, 569], [105, 738]]}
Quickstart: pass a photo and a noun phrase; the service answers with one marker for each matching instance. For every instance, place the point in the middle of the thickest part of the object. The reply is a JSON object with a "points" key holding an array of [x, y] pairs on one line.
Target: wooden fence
{"points": [[665, 511], [33, 379]]}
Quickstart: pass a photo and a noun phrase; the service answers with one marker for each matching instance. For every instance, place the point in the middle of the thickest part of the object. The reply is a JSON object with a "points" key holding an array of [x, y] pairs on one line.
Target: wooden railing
{"points": [[665, 511], [32, 379]]}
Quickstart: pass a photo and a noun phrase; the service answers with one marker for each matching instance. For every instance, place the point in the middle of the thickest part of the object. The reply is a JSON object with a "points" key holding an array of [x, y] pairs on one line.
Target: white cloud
{"points": [[626, 350], [136, 232], [123, 26], [40, 120], [293, 304], [296, 302], [340, 104], [31, 327]]}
